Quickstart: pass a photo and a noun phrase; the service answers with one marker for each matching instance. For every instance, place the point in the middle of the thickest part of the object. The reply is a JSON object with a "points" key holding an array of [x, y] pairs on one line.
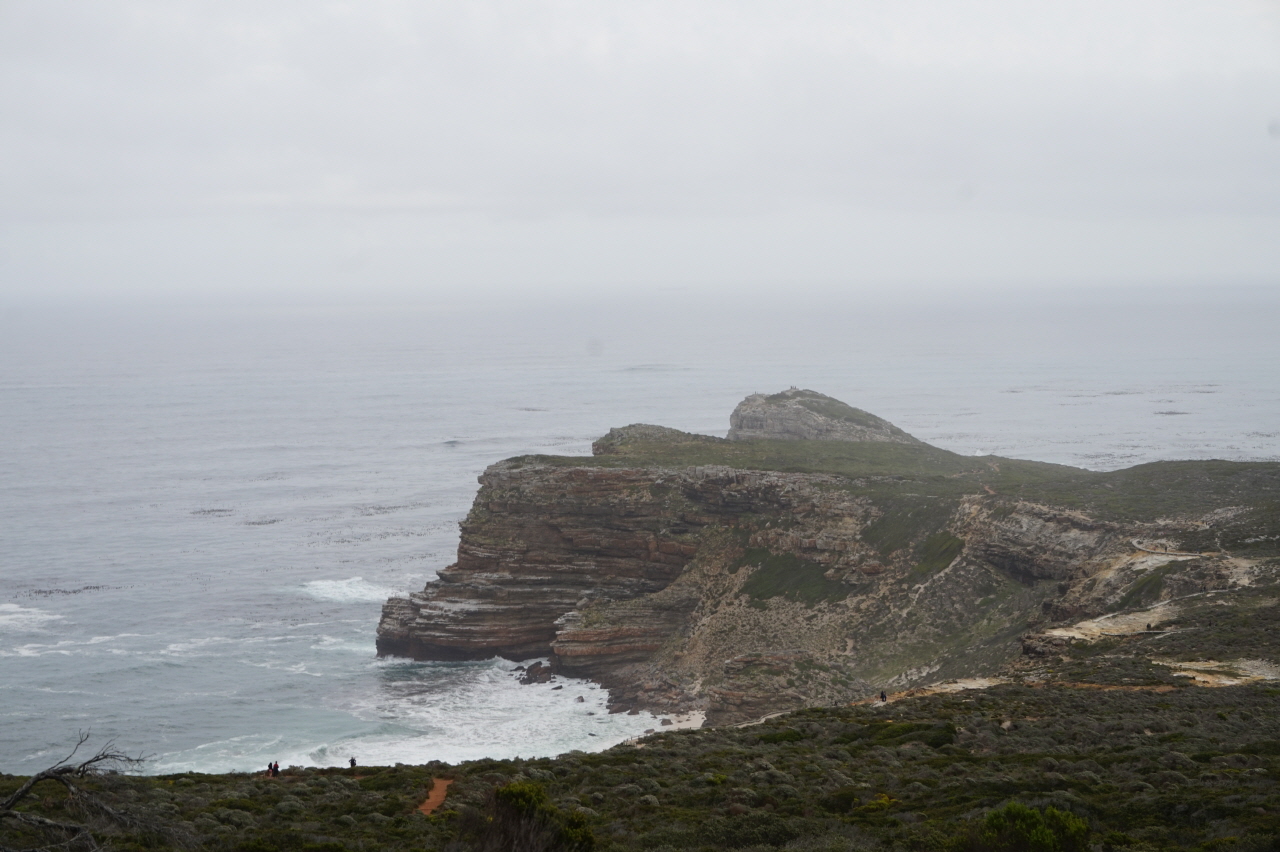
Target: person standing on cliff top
{"points": [[353, 763]]}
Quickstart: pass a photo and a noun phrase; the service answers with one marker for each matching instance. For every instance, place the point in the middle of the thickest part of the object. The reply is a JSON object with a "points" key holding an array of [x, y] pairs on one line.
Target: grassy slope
{"points": [[1143, 493]]}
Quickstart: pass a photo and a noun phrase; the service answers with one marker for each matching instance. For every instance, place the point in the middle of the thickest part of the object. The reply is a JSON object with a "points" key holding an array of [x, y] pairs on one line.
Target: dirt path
{"points": [[958, 685], [1164, 549], [439, 787], [1120, 624], [1102, 687], [1231, 673]]}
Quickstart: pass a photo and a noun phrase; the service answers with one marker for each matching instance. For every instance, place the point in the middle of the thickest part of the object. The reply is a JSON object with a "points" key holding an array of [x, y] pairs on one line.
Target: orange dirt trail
{"points": [[439, 787]]}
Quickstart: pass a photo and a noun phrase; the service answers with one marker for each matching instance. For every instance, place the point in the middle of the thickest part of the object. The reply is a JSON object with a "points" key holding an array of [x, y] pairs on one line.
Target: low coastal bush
{"points": [[1011, 767], [1018, 828]]}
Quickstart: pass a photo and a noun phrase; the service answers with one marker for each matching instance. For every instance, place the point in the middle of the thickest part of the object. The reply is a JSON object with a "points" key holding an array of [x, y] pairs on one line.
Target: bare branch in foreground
{"points": [[68, 835]]}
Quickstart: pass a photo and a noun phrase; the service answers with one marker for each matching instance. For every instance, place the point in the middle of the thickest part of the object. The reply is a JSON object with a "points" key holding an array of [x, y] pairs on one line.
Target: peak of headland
{"points": [[806, 415]]}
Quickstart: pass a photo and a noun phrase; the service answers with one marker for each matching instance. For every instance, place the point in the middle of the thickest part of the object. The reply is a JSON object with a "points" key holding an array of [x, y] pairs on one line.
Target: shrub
{"points": [[524, 820], [787, 735], [1018, 828], [751, 829]]}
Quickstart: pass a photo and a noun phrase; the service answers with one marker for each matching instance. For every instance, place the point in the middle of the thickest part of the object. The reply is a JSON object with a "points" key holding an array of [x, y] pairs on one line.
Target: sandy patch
{"points": [[958, 685], [1231, 673], [1242, 573], [1119, 624], [946, 686], [679, 722], [685, 721]]}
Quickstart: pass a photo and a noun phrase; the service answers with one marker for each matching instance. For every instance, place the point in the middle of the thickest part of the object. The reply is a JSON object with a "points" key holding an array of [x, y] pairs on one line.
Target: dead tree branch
{"points": [[72, 835]]}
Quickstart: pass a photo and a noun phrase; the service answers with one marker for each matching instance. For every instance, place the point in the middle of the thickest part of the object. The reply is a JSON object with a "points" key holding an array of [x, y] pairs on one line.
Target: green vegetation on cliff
{"points": [[1146, 492], [788, 576]]}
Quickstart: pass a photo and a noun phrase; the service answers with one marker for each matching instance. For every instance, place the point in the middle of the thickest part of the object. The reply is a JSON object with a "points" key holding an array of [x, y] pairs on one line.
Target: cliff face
{"points": [[738, 592], [742, 592], [539, 542]]}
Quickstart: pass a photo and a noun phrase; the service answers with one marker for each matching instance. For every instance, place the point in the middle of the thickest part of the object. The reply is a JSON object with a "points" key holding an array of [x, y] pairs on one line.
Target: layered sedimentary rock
{"points": [[685, 585], [544, 540], [1035, 542], [537, 542], [805, 415]]}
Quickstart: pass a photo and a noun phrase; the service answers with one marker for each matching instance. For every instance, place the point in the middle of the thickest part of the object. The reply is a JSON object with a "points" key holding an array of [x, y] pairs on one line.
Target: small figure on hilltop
{"points": [[275, 769], [884, 699], [353, 763]]}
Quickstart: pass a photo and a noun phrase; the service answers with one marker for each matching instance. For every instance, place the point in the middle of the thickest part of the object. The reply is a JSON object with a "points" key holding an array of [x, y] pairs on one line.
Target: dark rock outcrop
{"points": [[1033, 542], [805, 415]]}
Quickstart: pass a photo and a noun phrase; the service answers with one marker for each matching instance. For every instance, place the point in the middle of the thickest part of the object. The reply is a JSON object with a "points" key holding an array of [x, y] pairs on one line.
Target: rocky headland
{"points": [[819, 554]]}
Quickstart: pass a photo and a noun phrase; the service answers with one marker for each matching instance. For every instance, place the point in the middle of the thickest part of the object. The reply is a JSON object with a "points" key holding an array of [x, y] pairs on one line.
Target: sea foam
{"points": [[351, 590], [21, 619]]}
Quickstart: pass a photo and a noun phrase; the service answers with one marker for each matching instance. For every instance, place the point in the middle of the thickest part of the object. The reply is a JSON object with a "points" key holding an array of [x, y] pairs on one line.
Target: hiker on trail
{"points": [[275, 769], [884, 699], [353, 763], [269, 770]]}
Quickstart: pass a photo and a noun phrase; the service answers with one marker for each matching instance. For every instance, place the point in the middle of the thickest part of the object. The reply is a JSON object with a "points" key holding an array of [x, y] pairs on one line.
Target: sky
{"points": [[386, 150]]}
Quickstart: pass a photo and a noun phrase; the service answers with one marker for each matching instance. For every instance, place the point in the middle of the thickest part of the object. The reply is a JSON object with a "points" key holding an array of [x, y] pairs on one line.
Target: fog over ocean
{"points": [[202, 510]]}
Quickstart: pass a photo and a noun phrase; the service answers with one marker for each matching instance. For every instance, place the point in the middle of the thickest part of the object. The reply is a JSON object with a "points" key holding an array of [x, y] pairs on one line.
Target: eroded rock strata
{"points": [[741, 590]]}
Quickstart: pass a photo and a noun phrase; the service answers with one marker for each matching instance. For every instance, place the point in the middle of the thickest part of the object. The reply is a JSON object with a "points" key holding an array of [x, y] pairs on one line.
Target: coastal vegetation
{"points": [[1141, 493], [1032, 766], [1162, 739]]}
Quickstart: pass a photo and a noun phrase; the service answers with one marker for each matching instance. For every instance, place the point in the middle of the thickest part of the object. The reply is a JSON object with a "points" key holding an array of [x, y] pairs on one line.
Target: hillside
{"points": [[746, 576], [1013, 767]]}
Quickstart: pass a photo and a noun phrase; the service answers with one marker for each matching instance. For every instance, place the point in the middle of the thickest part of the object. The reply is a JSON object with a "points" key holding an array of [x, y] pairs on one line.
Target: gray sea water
{"points": [[202, 509]]}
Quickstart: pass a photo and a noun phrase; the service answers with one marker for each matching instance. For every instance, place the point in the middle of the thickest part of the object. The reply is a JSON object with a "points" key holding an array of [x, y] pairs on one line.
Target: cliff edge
{"points": [[751, 575]]}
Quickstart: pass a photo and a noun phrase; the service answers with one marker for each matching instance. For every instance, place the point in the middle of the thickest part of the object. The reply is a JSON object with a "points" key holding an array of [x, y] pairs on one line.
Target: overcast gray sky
{"points": [[382, 149]]}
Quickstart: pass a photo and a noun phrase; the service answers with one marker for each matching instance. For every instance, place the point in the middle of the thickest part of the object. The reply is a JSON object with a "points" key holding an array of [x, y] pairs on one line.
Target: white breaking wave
{"points": [[423, 712], [231, 755], [351, 590], [365, 647], [21, 619], [482, 711]]}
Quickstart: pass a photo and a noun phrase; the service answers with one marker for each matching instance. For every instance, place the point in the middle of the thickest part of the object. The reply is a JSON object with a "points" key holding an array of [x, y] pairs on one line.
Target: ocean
{"points": [[202, 508]]}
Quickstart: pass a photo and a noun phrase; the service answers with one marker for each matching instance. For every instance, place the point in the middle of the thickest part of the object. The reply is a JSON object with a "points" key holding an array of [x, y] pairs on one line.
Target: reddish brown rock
{"points": [[543, 539]]}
